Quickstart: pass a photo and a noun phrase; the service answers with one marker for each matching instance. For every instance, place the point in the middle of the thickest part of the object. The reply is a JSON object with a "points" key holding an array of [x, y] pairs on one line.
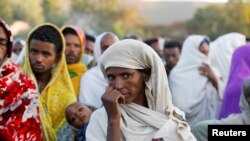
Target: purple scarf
{"points": [[239, 71]]}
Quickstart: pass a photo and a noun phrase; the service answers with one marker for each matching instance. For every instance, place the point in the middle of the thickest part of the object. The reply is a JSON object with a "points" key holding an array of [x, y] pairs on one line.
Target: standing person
{"points": [[194, 84], [19, 114], [93, 83], [239, 71], [221, 53], [45, 63], [18, 46], [75, 43], [171, 53], [137, 102], [200, 130], [88, 56]]}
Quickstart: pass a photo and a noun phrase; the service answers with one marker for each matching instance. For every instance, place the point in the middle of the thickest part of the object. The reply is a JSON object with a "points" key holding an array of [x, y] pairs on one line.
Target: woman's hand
{"points": [[111, 99], [208, 72]]}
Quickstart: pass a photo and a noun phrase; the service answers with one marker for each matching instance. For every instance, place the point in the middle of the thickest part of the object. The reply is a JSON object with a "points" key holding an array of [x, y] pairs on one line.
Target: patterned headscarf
{"points": [[9, 35], [80, 35]]}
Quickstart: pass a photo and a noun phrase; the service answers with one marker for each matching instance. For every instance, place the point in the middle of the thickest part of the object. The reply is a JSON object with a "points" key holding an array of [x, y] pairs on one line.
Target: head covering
{"points": [[243, 118], [80, 35], [76, 70], [239, 71], [19, 112], [134, 54], [97, 45], [93, 83], [56, 96], [192, 92], [9, 35], [221, 52], [159, 121]]}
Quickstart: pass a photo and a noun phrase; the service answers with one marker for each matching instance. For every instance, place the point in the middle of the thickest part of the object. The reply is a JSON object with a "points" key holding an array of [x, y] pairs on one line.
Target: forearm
{"points": [[114, 133], [214, 82]]}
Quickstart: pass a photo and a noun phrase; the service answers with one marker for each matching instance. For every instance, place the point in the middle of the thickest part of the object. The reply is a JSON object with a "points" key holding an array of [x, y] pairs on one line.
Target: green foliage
{"points": [[6, 12], [217, 20], [53, 12], [28, 10]]}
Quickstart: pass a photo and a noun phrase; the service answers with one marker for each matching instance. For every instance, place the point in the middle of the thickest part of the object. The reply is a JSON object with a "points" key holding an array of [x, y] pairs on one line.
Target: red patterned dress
{"points": [[19, 112]]}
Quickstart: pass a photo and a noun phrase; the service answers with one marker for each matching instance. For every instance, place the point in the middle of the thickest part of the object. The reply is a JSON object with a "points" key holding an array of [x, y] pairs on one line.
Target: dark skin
{"points": [[125, 86], [42, 56], [205, 69]]}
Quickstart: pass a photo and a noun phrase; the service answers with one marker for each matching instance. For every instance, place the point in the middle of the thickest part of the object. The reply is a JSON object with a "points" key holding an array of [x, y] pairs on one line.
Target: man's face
{"points": [[3, 44], [107, 41], [172, 56], [42, 56], [73, 48], [157, 48], [17, 48], [89, 49]]}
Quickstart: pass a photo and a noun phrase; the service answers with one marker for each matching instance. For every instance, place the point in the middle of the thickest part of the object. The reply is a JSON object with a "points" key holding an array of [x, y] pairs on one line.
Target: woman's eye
{"points": [[110, 77], [126, 75]]}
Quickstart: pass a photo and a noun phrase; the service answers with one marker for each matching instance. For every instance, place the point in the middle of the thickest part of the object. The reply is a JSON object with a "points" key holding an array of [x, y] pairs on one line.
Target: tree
{"points": [[217, 20]]}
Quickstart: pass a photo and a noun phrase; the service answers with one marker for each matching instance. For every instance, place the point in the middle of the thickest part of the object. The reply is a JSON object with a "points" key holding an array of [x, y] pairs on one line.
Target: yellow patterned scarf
{"points": [[78, 69], [75, 72], [57, 95]]}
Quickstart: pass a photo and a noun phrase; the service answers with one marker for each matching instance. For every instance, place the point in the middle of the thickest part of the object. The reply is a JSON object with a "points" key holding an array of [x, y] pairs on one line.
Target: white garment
{"points": [[221, 52], [93, 83], [161, 119], [192, 92], [243, 118]]}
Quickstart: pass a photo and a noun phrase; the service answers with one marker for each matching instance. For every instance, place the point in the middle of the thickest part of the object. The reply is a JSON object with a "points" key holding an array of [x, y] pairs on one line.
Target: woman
{"points": [[243, 118], [194, 84], [137, 102], [222, 51], [239, 71], [19, 114], [93, 83]]}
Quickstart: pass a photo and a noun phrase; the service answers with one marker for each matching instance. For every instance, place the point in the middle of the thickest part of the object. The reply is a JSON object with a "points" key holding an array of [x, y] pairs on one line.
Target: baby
{"points": [[78, 115]]}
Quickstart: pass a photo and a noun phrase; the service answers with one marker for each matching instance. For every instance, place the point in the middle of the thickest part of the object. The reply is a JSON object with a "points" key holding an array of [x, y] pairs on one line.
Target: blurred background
{"points": [[146, 18]]}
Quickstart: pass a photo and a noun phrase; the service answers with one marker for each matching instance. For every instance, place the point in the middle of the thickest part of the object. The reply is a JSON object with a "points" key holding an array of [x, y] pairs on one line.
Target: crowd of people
{"points": [[62, 84]]}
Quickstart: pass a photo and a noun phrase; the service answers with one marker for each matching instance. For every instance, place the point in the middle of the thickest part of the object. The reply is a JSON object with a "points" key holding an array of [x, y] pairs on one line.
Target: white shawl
{"points": [[93, 83], [192, 92], [221, 51], [161, 120], [243, 118]]}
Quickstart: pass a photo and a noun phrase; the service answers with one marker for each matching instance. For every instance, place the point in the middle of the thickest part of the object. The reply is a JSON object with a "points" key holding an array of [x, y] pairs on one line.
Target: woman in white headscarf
{"points": [[137, 102], [93, 84], [222, 51], [243, 118], [194, 84]]}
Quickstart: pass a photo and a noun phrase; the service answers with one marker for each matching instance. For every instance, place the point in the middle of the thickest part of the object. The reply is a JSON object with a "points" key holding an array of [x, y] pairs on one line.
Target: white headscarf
{"points": [[161, 120], [192, 92], [221, 52], [93, 83]]}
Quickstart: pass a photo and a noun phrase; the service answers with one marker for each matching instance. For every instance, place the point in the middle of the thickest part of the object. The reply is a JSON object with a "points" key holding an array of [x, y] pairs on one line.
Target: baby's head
{"points": [[77, 114]]}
